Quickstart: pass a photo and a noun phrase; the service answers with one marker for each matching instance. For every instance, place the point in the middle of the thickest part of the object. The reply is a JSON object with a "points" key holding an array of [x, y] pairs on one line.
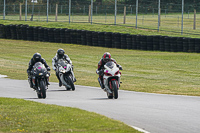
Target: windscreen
{"points": [[110, 64], [62, 62]]}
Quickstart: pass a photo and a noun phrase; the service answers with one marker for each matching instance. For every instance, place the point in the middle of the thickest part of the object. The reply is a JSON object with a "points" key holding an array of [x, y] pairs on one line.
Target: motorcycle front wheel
{"points": [[42, 92], [115, 89], [69, 82]]}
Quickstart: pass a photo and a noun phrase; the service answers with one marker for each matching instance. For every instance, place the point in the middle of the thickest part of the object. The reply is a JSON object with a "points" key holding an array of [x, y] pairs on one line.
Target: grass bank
{"points": [[17, 115], [105, 28]]}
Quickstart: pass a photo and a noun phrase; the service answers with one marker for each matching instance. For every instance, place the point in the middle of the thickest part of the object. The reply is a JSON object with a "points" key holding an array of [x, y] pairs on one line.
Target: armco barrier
{"points": [[102, 39]]}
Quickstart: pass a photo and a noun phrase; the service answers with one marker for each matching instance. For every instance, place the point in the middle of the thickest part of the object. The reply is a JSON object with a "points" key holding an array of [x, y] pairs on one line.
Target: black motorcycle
{"points": [[40, 76]]}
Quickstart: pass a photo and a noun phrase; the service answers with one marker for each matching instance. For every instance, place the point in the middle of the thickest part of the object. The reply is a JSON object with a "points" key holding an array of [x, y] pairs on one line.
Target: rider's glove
{"points": [[28, 72], [101, 72], [48, 69], [119, 66], [54, 68]]}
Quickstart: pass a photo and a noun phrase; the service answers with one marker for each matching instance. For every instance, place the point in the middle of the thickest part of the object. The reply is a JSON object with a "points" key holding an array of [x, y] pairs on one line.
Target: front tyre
{"points": [[42, 92], [70, 82], [115, 89]]}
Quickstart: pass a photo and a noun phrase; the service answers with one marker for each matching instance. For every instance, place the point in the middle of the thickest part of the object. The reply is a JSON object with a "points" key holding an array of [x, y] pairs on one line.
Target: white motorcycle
{"points": [[111, 79], [66, 74]]}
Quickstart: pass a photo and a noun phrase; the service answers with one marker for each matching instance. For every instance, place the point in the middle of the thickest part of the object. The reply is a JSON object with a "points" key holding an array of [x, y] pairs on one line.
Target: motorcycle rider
{"points": [[105, 58], [61, 55], [36, 58]]}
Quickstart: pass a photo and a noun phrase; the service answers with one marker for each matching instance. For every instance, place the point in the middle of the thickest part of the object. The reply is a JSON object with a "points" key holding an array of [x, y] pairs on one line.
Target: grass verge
{"points": [[17, 115]]}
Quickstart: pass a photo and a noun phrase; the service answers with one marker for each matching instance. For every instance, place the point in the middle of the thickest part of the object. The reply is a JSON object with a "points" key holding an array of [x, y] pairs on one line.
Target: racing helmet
{"points": [[37, 57], [106, 57], [60, 53]]}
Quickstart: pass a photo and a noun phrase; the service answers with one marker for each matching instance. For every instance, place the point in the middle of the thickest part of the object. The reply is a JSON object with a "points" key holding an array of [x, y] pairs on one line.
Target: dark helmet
{"points": [[60, 53], [106, 57], [37, 57]]}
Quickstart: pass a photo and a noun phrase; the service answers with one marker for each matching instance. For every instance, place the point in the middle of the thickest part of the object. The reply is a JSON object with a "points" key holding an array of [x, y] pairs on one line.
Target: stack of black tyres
{"points": [[150, 42], [101, 39], [143, 42], [117, 40], [46, 37], [68, 35], [197, 45], [13, 32], [162, 43], [2, 31], [57, 35], [156, 41], [7, 31], [51, 34], [62, 35], [134, 44], [24, 32], [108, 39], [18, 32], [113, 40], [173, 44], [167, 43], [179, 44], [35, 33], [41, 34], [78, 36], [89, 38], [29, 31], [94, 38], [137, 39], [83, 37], [191, 45], [185, 45], [129, 41], [123, 41], [73, 36]]}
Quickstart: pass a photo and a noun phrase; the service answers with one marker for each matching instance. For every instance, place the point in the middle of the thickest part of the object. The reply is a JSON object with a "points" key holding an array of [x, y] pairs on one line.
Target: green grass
{"points": [[143, 71], [18, 115], [147, 24]]}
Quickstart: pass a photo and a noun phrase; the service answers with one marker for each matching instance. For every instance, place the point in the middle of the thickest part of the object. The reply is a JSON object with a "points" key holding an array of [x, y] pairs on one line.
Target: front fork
{"points": [[36, 82]]}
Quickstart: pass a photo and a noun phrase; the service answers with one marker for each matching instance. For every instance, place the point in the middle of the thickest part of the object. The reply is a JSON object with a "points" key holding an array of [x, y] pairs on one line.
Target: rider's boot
{"points": [[30, 82], [101, 83], [60, 83], [48, 81], [74, 79]]}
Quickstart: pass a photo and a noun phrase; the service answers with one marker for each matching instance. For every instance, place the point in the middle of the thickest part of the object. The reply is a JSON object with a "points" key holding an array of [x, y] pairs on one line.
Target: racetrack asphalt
{"points": [[154, 113]]}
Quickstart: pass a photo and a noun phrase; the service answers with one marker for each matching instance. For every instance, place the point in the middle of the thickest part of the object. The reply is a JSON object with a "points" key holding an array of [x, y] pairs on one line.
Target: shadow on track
{"points": [[100, 99]]}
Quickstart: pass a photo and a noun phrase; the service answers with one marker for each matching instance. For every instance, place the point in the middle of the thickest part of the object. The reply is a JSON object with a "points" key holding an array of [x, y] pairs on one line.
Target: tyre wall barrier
{"points": [[101, 39]]}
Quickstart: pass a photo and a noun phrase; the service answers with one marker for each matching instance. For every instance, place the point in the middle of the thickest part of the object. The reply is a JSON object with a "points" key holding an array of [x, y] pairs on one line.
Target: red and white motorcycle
{"points": [[111, 79]]}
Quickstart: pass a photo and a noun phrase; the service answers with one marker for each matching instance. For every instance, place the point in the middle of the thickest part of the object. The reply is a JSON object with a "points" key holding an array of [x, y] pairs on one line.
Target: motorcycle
{"points": [[40, 76], [111, 79], [66, 74]]}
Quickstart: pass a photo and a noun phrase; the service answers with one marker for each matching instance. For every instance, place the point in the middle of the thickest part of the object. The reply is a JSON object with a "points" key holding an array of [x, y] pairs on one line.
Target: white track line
{"points": [[2, 76], [139, 129]]}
